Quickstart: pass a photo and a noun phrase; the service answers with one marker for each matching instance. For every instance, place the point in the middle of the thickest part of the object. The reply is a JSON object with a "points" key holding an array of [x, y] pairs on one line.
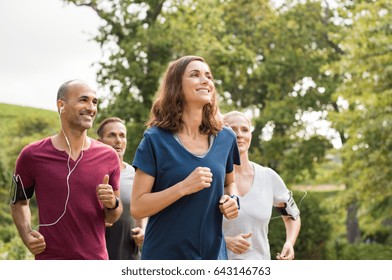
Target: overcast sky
{"points": [[44, 43]]}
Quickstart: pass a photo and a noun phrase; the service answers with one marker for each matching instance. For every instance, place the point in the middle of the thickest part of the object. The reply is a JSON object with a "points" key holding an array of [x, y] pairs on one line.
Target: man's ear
{"points": [[60, 106]]}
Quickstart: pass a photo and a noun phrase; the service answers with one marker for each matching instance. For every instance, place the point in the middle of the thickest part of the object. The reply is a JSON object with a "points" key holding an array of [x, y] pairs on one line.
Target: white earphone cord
{"points": [[69, 174], [68, 187], [299, 204], [243, 208]]}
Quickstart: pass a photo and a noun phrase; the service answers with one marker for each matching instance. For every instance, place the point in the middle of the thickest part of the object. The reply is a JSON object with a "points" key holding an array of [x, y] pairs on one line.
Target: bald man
{"points": [[75, 180]]}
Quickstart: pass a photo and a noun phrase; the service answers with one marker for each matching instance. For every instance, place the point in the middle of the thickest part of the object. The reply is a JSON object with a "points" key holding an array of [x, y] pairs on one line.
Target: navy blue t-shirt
{"points": [[191, 227]]}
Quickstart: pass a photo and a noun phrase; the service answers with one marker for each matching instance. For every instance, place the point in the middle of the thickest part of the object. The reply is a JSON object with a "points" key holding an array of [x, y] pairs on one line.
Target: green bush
{"points": [[14, 250], [364, 251], [15, 132]]}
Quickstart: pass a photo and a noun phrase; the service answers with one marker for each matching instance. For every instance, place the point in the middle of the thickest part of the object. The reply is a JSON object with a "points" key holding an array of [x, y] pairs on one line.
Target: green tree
{"points": [[364, 118], [140, 38], [282, 64], [283, 82], [259, 55]]}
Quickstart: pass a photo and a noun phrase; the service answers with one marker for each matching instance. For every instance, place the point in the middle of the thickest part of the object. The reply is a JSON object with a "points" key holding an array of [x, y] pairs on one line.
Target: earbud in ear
{"points": [[61, 109]]}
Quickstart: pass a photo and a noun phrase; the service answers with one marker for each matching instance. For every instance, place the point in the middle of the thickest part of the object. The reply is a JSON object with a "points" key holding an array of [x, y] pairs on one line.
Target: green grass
{"points": [[8, 114], [19, 125]]}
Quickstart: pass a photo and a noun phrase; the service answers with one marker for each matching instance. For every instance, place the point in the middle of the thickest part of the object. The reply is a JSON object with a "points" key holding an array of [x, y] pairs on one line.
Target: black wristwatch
{"points": [[117, 204], [238, 200]]}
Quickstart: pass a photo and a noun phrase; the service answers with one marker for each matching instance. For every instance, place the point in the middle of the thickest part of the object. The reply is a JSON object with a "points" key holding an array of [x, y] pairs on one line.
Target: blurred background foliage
{"points": [[315, 76]]}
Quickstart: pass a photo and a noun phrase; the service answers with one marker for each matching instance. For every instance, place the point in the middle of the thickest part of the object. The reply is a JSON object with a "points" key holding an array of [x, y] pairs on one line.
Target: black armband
{"points": [[290, 209], [281, 210], [18, 191]]}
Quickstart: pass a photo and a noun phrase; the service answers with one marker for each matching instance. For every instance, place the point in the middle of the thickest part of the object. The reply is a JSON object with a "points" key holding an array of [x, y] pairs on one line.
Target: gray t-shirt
{"points": [[119, 241]]}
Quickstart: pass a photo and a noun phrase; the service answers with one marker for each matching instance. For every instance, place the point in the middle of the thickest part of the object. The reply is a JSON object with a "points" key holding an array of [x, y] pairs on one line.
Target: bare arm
{"points": [[141, 223], [230, 186], [238, 244], [21, 215], [292, 230], [111, 216], [144, 203], [107, 196], [228, 205], [138, 231]]}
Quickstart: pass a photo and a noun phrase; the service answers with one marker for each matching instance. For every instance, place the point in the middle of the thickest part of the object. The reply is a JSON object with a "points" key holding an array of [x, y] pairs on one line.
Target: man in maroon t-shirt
{"points": [[75, 180]]}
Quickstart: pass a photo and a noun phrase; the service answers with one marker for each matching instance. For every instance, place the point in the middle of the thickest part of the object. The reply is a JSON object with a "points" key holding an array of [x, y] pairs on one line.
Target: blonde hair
{"points": [[236, 114]]}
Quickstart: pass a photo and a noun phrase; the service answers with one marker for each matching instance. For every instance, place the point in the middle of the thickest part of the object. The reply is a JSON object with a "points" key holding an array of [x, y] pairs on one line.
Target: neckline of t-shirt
{"points": [[67, 155], [211, 139], [185, 150], [253, 181]]}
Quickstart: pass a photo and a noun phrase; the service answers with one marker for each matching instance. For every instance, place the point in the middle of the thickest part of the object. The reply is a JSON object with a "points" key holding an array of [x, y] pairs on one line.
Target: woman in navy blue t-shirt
{"points": [[184, 178]]}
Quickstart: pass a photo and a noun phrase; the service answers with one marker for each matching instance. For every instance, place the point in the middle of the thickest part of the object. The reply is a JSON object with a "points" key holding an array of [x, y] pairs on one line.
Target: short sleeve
{"points": [[114, 179], [234, 155], [24, 168], [145, 156], [281, 193]]}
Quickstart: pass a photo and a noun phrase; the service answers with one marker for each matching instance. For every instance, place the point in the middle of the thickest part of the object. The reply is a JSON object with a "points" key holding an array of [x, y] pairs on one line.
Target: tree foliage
{"points": [[260, 58], [364, 115], [290, 66], [295, 68]]}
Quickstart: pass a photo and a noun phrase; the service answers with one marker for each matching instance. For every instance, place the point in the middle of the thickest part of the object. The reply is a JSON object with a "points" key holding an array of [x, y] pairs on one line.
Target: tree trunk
{"points": [[353, 232]]}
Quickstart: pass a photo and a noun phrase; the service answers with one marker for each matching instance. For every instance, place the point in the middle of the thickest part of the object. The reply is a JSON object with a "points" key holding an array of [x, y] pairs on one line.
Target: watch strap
{"points": [[117, 204], [238, 200]]}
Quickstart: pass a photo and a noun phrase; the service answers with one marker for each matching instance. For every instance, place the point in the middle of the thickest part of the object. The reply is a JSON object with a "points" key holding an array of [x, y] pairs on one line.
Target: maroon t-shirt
{"points": [[80, 233]]}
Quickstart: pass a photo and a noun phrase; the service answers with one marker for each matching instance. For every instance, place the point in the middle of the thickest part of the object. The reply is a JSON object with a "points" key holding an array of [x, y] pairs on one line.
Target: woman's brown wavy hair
{"points": [[167, 109]]}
